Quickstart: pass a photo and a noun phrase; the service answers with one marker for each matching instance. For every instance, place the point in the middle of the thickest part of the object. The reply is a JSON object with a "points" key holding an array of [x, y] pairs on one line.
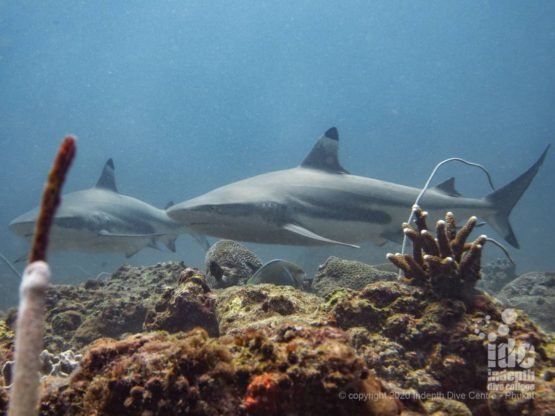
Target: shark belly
{"points": [[67, 239]]}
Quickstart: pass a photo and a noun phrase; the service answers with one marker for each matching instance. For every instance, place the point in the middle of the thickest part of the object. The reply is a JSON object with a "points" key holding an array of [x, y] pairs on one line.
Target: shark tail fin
{"points": [[504, 199]]}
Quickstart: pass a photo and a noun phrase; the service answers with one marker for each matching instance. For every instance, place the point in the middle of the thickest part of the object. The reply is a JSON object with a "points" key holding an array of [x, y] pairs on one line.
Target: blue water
{"points": [[187, 96]]}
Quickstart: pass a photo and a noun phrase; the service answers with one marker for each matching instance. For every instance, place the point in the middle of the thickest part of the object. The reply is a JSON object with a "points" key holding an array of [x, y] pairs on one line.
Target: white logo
{"points": [[510, 362]]}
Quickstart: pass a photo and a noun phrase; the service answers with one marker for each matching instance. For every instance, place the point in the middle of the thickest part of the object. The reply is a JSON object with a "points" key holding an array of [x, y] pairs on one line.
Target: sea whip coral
{"points": [[24, 393]]}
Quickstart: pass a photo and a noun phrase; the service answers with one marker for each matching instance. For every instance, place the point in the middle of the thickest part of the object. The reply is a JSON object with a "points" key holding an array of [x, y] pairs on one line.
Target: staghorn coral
{"points": [[446, 264]]}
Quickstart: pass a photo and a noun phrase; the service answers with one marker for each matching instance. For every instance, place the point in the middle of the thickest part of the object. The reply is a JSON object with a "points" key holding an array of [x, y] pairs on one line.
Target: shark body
{"points": [[100, 219], [319, 203]]}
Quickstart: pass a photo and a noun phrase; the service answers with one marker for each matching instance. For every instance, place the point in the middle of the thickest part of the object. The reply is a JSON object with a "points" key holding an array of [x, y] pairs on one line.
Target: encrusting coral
{"points": [[446, 264]]}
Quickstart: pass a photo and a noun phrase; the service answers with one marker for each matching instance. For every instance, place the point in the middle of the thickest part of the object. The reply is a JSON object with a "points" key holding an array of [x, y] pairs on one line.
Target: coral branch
{"points": [[442, 239], [457, 244]]}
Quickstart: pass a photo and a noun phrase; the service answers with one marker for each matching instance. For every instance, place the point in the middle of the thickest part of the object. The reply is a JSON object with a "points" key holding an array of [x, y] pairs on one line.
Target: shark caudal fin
{"points": [[504, 199]]}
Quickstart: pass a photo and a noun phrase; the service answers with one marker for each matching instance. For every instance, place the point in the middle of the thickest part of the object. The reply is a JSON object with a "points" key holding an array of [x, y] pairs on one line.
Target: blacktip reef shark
{"points": [[319, 203], [100, 219]]}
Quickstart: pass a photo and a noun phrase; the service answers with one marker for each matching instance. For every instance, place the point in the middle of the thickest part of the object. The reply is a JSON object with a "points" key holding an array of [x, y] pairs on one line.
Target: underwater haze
{"points": [[186, 96]]}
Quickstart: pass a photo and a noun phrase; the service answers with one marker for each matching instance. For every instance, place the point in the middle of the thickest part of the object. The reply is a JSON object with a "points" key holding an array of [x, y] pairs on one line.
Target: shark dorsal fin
{"points": [[107, 178], [324, 154], [448, 187]]}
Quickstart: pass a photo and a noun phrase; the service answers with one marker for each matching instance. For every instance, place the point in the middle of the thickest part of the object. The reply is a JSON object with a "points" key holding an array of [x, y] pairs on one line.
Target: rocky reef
{"points": [[299, 371], [78, 315], [159, 340], [497, 274], [534, 293]]}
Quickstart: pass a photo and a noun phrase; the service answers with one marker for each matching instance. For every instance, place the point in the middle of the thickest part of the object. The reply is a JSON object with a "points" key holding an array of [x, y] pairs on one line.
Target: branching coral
{"points": [[446, 264]]}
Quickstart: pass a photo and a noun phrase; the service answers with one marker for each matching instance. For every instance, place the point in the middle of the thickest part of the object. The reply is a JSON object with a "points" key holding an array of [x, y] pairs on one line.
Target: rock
{"points": [[534, 293], [497, 274], [191, 304], [338, 273], [442, 406], [263, 306], [229, 263], [78, 315]]}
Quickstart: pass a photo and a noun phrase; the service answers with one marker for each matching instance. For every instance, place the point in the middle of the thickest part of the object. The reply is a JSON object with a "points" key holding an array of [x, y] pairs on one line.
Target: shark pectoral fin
{"points": [[169, 242], [152, 244], [132, 252], [297, 229], [201, 240]]}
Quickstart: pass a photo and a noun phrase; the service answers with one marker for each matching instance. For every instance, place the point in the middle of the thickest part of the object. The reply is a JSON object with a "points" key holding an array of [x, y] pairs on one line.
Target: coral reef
{"points": [[229, 263], [264, 306], [429, 345], [534, 293], [496, 275], [188, 306], [77, 315], [300, 371], [339, 273], [395, 347], [446, 265]]}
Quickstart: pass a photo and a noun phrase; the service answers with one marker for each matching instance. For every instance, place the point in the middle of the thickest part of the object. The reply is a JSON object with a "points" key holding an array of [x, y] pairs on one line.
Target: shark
{"points": [[100, 219], [321, 203]]}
